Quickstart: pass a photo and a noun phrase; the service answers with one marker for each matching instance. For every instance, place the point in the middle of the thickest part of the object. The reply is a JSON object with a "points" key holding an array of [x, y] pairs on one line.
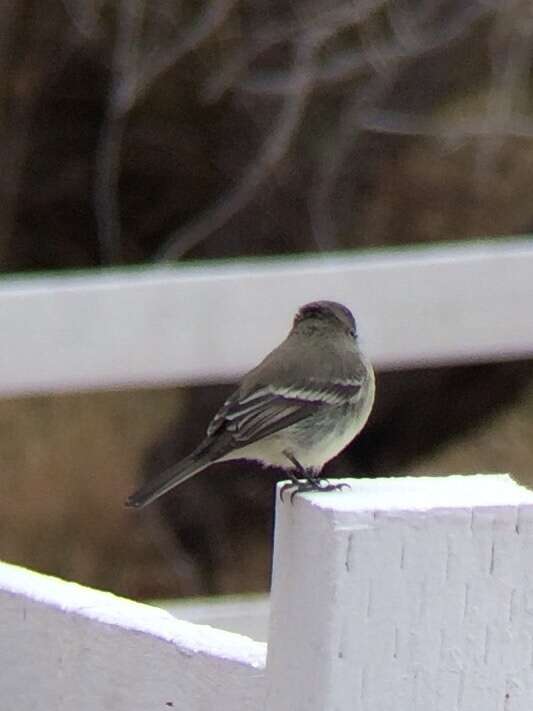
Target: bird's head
{"points": [[326, 315]]}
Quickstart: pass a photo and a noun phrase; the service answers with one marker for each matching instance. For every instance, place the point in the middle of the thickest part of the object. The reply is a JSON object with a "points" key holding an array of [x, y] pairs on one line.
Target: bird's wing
{"points": [[268, 409]]}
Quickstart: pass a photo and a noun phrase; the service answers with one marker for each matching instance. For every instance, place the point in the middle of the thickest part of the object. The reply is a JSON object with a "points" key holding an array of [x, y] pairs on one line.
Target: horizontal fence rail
{"points": [[63, 647], [210, 323]]}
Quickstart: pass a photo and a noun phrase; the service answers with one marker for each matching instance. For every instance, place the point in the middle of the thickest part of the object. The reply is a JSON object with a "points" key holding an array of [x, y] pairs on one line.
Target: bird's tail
{"points": [[168, 479]]}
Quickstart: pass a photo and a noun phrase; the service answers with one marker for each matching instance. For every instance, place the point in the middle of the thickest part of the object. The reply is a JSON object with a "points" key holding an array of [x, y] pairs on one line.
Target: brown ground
{"points": [[66, 464], [503, 444]]}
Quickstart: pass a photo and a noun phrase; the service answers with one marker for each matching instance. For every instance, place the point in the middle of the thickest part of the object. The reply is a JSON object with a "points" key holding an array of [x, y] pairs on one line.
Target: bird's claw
{"points": [[302, 486], [288, 485]]}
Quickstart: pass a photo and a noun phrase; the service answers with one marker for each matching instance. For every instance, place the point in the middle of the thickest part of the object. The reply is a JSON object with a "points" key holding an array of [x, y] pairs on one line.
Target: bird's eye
{"points": [[352, 333]]}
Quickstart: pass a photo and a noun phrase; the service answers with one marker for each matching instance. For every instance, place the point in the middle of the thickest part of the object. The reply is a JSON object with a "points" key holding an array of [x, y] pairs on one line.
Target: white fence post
{"points": [[411, 594]]}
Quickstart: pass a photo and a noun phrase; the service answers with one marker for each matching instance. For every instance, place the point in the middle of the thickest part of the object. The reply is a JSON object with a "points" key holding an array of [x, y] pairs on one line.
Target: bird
{"points": [[300, 407]]}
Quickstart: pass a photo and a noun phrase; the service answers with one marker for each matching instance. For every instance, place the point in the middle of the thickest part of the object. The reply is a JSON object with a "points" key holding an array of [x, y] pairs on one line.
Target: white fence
{"points": [[397, 595], [420, 306]]}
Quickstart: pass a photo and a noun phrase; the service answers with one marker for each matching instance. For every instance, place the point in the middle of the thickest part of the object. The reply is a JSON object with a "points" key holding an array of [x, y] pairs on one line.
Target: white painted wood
{"points": [[192, 324], [411, 594], [404, 595], [64, 647], [245, 614]]}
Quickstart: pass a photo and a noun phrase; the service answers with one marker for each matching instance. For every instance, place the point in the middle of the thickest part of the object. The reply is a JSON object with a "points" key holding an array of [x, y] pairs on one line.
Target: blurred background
{"points": [[136, 132]]}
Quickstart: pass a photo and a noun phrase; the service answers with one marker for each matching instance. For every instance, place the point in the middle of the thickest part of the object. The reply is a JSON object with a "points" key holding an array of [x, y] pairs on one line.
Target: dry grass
{"points": [[503, 444], [67, 463]]}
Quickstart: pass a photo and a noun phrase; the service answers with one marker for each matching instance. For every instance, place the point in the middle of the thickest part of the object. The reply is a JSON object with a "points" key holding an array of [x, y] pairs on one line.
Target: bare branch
{"points": [[191, 39], [348, 65], [510, 57], [125, 61], [329, 21], [338, 151], [511, 52], [85, 16], [271, 152]]}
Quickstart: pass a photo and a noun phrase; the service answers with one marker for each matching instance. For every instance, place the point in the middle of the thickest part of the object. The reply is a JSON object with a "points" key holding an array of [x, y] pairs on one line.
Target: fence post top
{"points": [[396, 494]]}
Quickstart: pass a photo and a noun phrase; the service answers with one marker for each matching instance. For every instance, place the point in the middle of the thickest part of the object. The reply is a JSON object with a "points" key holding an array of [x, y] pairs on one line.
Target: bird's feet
{"points": [[300, 486]]}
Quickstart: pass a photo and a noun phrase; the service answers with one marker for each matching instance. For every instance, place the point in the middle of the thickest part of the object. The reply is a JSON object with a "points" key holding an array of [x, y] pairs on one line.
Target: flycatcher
{"points": [[296, 410]]}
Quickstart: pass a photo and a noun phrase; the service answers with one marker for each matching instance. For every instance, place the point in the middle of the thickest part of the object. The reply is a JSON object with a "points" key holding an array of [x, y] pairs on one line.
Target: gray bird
{"points": [[296, 410]]}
